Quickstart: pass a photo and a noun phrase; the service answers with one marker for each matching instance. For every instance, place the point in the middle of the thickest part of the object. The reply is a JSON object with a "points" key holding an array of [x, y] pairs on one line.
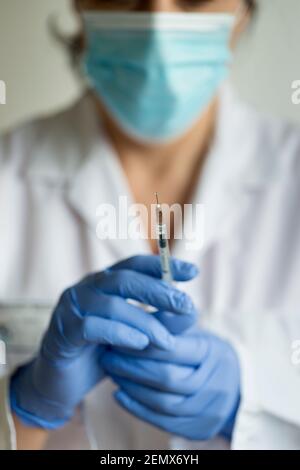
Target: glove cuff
{"points": [[31, 408], [31, 420]]}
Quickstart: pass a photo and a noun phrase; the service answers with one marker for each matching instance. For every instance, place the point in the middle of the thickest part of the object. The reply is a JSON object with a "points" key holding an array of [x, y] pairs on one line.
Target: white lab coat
{"points": [[55, 172]]}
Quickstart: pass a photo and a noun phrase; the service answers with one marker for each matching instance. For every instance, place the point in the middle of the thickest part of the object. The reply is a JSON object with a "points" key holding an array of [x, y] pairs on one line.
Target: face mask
{"points": [[156, 73]]}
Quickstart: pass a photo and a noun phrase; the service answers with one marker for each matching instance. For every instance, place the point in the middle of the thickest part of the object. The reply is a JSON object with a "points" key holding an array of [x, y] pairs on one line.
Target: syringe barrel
{"points": [[164, 252]]}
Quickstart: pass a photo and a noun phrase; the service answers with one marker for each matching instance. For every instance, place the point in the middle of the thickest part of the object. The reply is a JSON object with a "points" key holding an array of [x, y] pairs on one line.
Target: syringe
{"points": [[163, 243]]}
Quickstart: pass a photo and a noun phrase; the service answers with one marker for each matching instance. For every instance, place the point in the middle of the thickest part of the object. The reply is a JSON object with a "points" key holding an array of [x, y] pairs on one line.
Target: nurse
{"points": [[155, 120]]}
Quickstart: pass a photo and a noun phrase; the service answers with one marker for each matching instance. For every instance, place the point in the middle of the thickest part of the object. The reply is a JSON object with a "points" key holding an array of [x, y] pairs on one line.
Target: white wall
{"points": [[35, 69], [38, 78], [268, 60]]}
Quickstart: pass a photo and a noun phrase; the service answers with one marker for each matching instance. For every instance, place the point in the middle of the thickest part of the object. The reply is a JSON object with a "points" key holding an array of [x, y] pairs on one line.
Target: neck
{"points": [[178, 158], [172, 170]]}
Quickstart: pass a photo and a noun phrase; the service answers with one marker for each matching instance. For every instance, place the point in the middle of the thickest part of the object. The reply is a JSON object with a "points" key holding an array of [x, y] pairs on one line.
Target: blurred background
{"points": [[39, 79]]}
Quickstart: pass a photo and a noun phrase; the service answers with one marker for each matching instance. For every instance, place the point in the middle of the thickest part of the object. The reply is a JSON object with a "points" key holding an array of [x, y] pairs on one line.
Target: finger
{"points": [[161, 421], [165, 376], [91, 302], [184, 426], [176, 324], [188, 350], [172, 404], [161, 376], [167, 403], [107, 332], [145, 289], [151, 265], [201, 406]]}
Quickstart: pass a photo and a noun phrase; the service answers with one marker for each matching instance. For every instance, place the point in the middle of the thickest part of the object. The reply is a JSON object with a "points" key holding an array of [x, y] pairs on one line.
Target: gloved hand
{"points": [[89, 317], [192, 390]]}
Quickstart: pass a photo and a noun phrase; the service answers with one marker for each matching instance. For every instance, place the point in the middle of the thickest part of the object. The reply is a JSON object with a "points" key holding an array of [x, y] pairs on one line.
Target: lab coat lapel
{"points": [[89, 171], [234, 175], [101, 180]]}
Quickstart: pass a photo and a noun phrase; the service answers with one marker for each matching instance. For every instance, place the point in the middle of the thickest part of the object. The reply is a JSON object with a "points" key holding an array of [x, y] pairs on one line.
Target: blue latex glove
{"points": [[90, 317], [192, 390]]}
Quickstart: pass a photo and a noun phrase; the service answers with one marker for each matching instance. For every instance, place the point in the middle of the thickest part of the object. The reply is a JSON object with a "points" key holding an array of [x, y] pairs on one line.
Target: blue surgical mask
{"points": [[156, 73]]}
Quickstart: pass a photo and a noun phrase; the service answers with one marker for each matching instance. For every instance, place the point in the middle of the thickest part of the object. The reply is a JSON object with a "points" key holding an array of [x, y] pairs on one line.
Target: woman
{"points": [[159, 117]]}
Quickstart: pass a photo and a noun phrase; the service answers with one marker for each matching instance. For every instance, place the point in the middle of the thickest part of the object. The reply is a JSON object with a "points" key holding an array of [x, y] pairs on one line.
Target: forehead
{"points": [[223, 5]]}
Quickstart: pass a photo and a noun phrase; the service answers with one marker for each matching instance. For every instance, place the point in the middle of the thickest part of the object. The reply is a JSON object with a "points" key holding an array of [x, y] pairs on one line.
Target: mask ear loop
{"points": [[240, 11]]}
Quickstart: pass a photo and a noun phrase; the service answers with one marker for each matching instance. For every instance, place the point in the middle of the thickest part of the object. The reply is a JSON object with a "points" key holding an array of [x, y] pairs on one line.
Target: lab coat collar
{"points": [[101, 180], [236, 170], [65, 143], [90, 170], [72, 152]]}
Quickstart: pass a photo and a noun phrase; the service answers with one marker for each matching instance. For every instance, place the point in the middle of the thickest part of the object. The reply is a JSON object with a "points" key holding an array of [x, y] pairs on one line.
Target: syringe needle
{"points": [[157, 200]]}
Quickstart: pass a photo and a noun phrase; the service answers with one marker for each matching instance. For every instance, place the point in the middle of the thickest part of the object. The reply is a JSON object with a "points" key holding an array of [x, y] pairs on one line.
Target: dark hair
{"points": [[74, 44], [250, 4]]}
